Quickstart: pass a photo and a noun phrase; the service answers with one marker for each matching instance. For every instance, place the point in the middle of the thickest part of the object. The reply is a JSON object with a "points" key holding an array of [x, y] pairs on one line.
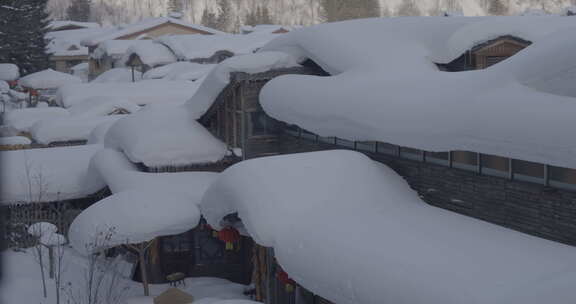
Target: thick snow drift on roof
{"points": [[68, 128], [355, 233], [153, 54], [264, 28], [189, 47], [117, 75], [101, 106], [9, 72], [47, 79], [14, 141], [219, 77], [158, 214], [46, 175], [399, 95], [160, 137], [24, 119], [181, 70], [67, 42], [122, 175], [143, 25], [142, 92], [117, 48]]}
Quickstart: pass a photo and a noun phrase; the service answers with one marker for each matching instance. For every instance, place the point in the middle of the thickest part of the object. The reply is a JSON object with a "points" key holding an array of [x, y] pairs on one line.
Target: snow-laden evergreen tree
{"points": [[22, 27], [209, 19], [498, 7], [225, 19], [79, 10]]}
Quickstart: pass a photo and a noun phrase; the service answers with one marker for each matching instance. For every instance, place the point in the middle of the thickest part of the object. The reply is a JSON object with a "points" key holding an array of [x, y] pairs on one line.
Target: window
{"points": [[386, 148], [439, 158], [410, 153], [262, 124], [562, 177], [495, 165], [465, 160], [528, 171]]}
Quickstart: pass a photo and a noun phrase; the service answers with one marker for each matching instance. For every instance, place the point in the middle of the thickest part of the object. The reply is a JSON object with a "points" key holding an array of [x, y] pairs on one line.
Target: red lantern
{"points": [[12, 83], [230, 236], [283, 277]]}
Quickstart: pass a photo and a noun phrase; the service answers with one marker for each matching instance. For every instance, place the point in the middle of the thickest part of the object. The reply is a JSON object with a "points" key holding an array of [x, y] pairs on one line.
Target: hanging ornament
{"points": [[230, 236]]}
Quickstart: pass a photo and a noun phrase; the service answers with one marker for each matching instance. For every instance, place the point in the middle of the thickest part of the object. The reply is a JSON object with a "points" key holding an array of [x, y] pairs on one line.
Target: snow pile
{"points": [[382, 254], [160, 137], [24, 119], [122, 175], [47, 175], [153, 54], [181, 70], [117, 75], [117, 48], [47, 79], [144, 25], [98, 135], [401, 97], [14, 141], [159, 214], [9, 72], [67, 42], [101, 106], [68, 128], [219, 77], [142, 92], [81, 70], [190, 47]]}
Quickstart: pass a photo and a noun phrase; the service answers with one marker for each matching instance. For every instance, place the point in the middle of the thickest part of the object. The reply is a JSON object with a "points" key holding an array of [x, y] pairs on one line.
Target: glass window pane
{"points": [[386, 148], [527, 168], [410, 153], [563, 175]]}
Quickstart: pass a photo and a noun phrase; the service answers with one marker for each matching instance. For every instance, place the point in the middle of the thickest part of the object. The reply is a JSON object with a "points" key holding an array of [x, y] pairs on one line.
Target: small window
{"points": [[465, 160], [439, 158], [495, 165], [528, 171], [562, 177], [410, 153]]}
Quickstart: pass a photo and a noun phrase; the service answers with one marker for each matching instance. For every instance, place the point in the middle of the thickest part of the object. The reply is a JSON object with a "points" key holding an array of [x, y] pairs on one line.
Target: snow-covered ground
{"points": [[21, 283]]}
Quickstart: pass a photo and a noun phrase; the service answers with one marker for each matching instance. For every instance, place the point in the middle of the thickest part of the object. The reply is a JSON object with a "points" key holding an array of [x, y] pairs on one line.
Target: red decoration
{"points": [[33, 92], [230, 236], [13, 83], [285, 279]]}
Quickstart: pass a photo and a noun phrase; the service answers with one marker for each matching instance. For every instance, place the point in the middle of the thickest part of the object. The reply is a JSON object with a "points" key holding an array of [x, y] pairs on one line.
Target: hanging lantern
{"points": [[12, 83], [33, 92], [283, 278], [230, 236]]}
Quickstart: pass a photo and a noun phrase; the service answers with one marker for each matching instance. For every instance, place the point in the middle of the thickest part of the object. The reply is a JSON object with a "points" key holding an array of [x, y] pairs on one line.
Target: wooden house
{"points": [[146, 29], [487, 54]]}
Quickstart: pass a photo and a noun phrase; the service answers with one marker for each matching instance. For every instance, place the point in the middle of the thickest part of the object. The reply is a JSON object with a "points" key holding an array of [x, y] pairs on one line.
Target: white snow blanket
{"points": [[153, 54], [81, 70], [189, 47], [158, 214], [9, 72], [181, 70], [23, 119], [122, 175], [159, 137], [351, 230], [14, 141], [47, 79], [219, 77], [117, 75], [142, 92], [67, 42], [146, 24], [101, 106], [68, 129], [389, 89], [47, 175]]}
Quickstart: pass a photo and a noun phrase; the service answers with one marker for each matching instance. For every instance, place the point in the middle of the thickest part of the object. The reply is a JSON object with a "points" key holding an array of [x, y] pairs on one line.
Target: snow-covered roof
{"points": [[181, 70], [163, 137], [353, 231], [219, 77], [190, 47], [122, 175], [73, 128], [101, 106], [400, 96], [117, 75], [153, 54], [117, 48], [142, 92], [265, 28], [57, 25], [23, 119], [67, 42], [46, 175], [47, 79], [14, 141], [146, 24], [113, 220], [9, 72]]}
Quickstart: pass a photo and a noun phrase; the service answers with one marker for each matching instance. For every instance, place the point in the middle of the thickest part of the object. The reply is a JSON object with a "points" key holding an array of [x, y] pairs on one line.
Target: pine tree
{"points": [[23, 24], [498, 7], [224, 20], [175, 6], [79, 10], [209, 19]]}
